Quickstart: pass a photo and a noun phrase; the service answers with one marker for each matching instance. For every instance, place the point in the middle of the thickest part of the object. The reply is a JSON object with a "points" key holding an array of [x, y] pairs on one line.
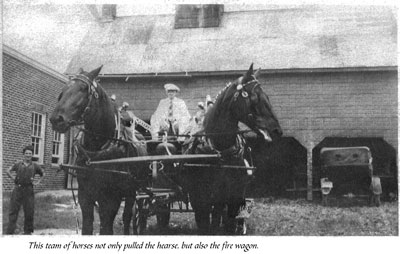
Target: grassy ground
{"points": [[270, 217]]}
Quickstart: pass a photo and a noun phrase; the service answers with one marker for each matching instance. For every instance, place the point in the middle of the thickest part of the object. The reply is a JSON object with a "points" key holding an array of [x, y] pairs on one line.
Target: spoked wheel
{"points": [[140, 212], [163, 215]]}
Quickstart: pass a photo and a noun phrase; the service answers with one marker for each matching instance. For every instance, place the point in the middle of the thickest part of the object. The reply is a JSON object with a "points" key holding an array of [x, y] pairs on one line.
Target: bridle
{"points": [[92, 92], [241, 91]]}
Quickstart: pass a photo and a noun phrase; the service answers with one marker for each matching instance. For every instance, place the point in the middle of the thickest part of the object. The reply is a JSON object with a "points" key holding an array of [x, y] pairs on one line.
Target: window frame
{"points": [[198, 16], [38, 132], [59, 141]]}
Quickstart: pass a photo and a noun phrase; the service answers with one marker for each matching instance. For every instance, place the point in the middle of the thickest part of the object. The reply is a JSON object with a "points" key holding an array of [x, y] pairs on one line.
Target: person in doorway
{"points": [[171, 114], [24, 179]]}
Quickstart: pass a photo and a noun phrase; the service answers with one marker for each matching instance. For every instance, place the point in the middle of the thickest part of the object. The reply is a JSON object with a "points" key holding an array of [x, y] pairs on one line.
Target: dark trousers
{"points": [[21, 195]]}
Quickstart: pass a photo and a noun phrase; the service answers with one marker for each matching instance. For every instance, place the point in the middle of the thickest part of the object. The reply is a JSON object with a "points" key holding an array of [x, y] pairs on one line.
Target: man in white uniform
{"points": [[170, 113]]}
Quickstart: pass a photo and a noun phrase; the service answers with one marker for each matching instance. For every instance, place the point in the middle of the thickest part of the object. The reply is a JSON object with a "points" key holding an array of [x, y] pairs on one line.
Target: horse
{"points": [[84, 100], [211, 190]]}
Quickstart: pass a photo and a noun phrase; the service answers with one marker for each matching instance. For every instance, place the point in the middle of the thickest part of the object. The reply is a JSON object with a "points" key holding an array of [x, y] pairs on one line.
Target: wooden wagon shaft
{"points": [[218, 166], [163, 158], [66, 167]]}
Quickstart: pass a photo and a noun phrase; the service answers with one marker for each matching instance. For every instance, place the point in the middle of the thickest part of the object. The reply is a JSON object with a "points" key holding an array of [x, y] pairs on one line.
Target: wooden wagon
{"points": [[160, 192]]}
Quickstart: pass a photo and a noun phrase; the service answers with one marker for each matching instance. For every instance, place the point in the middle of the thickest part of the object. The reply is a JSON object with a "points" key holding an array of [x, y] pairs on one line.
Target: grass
{"points": [[301, 218], [270, 217]]}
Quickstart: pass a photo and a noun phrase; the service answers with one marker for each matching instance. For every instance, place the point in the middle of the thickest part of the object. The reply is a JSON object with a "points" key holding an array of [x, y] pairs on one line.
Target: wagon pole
{"points": [[66, 167], [202, 135], [142, 159], [219, 166]]}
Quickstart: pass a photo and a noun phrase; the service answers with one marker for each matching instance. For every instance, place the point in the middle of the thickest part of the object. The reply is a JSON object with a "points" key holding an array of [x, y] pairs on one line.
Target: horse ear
{"points": [[93, 74], [248, 74], [257, 73], [250, 69]]}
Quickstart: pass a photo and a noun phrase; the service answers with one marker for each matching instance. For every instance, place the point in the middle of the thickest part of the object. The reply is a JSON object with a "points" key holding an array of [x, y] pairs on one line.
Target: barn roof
{"points": [[305, 37]]}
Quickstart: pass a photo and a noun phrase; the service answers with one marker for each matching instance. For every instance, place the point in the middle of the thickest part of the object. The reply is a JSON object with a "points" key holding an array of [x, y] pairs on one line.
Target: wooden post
{"points": [[310, 146], [309, 138]]}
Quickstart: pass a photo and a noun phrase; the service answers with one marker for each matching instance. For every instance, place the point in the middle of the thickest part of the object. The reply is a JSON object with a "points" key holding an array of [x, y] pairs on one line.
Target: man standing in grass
{"points": [[22, 194]]}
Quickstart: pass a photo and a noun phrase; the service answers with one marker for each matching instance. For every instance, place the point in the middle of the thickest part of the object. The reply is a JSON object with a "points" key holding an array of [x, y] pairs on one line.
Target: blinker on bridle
{"points": [[240, 88], [241, 91]]}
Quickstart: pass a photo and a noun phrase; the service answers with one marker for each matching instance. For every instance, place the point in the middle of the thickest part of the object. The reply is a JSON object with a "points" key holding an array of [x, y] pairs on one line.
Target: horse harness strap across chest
{"points": [[236, 151]]}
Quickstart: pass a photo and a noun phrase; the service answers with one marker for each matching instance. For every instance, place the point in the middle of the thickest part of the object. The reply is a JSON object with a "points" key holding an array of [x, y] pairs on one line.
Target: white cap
{"points": [[125, 104], [170, 86], [113, 97]]}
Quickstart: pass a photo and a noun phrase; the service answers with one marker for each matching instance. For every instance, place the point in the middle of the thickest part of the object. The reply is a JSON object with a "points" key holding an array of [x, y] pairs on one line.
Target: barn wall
{"points": [[25, 88], [309, 106]]}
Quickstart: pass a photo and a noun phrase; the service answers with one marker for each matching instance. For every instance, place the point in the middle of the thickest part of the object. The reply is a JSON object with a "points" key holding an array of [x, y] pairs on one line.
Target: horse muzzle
{"points": [[59, 124]]}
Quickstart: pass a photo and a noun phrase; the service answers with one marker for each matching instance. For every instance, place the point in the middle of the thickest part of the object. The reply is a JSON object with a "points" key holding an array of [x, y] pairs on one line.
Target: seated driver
{"points": [[171, 115]]}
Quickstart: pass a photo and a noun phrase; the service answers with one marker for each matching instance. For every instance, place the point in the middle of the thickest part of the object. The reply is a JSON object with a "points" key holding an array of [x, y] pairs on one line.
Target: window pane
{"points": [[57, 148], [37, 136]]}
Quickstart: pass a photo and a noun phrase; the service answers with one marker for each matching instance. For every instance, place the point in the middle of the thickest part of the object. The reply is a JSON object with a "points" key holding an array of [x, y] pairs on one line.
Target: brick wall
{"points": [[27, 89], [310, 106]]}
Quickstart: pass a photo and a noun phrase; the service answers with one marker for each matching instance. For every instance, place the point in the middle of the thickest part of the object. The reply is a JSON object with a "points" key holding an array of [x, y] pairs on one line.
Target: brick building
{"points": [[330, 71], [30, 91]]}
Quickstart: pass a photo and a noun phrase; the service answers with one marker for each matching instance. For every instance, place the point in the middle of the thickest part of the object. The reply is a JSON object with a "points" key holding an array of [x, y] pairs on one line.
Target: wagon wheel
{"points": [[140, 212], [163, 215]]}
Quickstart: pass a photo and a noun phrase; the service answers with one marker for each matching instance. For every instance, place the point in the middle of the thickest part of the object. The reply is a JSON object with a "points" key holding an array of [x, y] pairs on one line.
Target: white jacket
{"points": [[180, 117]]}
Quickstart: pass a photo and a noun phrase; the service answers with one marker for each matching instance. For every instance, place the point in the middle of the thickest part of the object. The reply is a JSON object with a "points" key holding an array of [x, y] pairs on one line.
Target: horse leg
{"points": [[127, 215], [230, 218], [216, 216], [109, 205], [87, 208], [233, 210], [202, 215]]}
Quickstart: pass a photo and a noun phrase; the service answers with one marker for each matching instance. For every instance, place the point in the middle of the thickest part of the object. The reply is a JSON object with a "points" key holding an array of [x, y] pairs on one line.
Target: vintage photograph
{"points": [[219, 118]]}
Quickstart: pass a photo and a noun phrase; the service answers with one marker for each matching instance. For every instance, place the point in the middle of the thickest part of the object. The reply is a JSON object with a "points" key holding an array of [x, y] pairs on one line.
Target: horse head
{"points": [[254, 108], [246, 102], [82, 100]]}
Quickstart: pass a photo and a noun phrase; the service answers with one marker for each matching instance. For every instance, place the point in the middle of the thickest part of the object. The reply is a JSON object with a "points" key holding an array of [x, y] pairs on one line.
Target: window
{"points": [[38, 131], [58, 148], [198, 15]]}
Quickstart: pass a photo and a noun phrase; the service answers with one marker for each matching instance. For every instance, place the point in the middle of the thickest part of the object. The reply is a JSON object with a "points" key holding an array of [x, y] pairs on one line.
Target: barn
{"points": [[30, 91], [330, 71]]}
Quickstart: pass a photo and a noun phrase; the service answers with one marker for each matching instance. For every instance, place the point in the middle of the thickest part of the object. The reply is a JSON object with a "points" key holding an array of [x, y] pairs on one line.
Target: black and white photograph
{"points": [[199, 126]]}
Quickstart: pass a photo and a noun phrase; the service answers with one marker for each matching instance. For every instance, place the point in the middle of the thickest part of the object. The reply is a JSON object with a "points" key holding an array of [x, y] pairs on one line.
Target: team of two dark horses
{"points": [[210, 190]]}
